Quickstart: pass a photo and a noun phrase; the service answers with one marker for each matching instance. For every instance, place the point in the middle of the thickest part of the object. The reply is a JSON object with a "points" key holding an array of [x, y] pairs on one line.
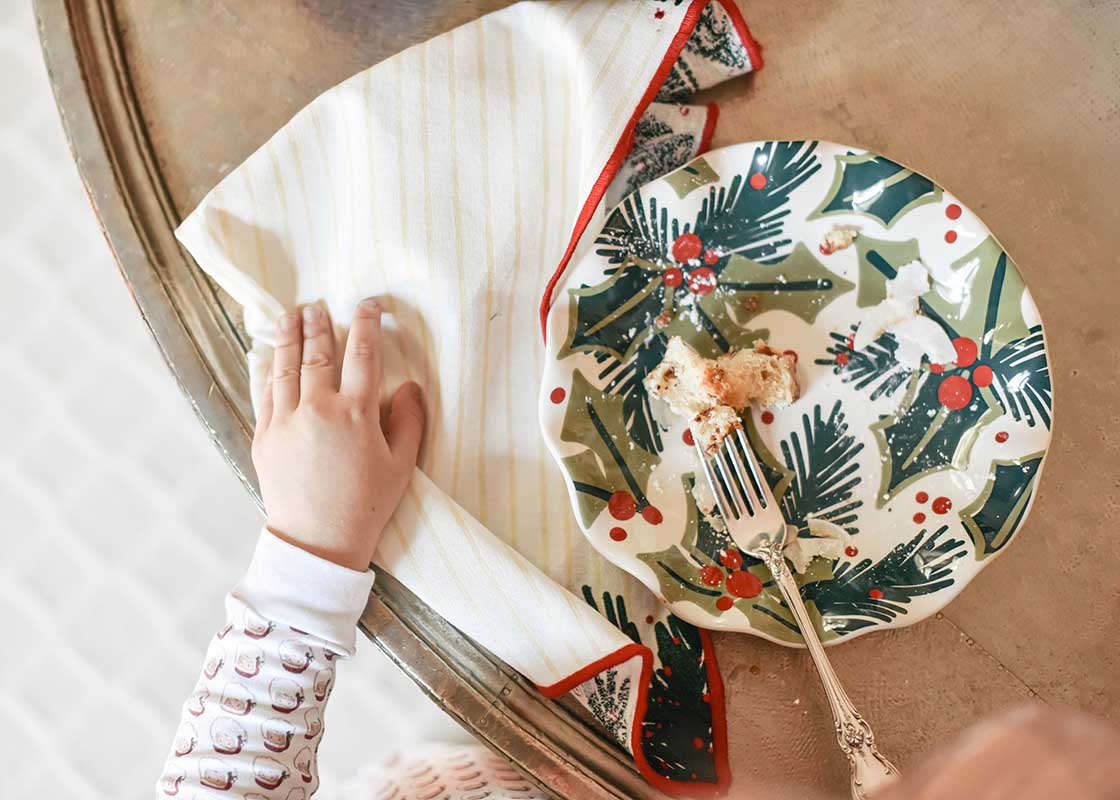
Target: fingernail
{"points": [[369, 304], [312, 313], [289, 321]]}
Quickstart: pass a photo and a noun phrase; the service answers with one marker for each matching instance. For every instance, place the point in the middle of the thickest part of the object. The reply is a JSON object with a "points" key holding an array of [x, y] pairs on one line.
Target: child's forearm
{"points": [[254, 720]]}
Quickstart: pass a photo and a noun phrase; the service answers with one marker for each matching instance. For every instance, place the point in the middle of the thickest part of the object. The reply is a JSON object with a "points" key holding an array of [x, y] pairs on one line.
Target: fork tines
{"points": [[739, 485]]}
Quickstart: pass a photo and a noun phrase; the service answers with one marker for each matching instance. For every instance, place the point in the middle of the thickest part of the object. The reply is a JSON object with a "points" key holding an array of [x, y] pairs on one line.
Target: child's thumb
{"points": [[405, 425]]}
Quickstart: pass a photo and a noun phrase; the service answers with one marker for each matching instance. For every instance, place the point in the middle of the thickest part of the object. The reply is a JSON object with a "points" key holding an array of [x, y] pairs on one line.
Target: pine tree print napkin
{"points": [[456, 181]]}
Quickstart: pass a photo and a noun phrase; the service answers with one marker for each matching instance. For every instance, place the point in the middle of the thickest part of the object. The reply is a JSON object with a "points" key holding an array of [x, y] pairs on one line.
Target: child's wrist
{"points": [[349, 550]]}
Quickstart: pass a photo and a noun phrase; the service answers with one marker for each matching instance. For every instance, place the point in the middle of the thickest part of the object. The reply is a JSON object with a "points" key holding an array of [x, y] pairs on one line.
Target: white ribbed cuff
{"points": [[289, 585]]}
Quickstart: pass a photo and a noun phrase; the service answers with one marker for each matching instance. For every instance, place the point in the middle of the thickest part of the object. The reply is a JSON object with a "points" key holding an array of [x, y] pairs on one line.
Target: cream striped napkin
{"points": [[451, 180]]}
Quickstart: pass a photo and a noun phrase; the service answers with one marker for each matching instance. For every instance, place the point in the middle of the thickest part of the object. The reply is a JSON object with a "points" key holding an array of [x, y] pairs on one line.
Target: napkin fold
{"points": [[456, 181]]}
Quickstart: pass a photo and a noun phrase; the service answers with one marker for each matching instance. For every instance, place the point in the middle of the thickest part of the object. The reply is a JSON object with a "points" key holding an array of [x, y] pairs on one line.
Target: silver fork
{"points": [[758, 528]]}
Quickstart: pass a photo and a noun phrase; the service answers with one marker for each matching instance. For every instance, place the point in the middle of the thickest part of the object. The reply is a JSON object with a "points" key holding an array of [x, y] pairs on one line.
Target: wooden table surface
{"points": [[1013, 105]]}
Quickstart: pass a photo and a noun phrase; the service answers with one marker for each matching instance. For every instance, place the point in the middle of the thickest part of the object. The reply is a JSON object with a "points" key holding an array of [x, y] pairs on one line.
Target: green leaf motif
{"points": [[994, 516], [691, 176], [749, 221], [736, 218], [879, 259], [825, 466], [874, 368], [870, 593], [799, 284], [625, 380], [988, 308], [617, 320], [924, 435], [597, 420], [1021, 379], [608, 317], [875, 187]]}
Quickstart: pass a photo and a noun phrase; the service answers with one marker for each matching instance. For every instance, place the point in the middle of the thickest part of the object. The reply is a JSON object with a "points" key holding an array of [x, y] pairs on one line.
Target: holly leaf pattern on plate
{"points": [[934, 428], [601, 473], [997, 512], [981, 299], [876, 187]]}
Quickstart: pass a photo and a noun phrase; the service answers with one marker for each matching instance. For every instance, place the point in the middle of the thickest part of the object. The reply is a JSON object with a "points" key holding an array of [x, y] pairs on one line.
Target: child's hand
{"points": [[331, 470]]}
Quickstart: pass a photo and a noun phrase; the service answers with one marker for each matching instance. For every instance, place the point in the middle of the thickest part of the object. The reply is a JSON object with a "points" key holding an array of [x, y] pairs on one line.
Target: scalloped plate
{"points": [[932, 471]]}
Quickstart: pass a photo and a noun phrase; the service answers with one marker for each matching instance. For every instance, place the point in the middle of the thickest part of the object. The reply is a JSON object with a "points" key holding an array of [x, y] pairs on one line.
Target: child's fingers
{"points": [[264, 408], [286, 363], [361, 366], [319, 373], [405, 425]]}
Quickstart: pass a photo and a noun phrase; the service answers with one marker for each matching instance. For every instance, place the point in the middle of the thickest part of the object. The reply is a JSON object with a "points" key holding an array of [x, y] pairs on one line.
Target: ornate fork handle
{"points": [[869, 768]]}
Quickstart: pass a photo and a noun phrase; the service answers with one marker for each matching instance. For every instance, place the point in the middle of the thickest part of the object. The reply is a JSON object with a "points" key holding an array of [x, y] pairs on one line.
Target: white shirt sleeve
{"points": [[252, 726]]}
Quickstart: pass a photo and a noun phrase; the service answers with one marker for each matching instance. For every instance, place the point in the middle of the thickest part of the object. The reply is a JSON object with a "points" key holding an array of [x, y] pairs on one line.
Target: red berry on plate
{"points": [[942, 505], [687, 437], [724, 603], [652, 515], [966, 351], [954, 393], [922, 497], [875, 594], [557, 395], [622, 505], [983, 376], [673, 277], [953, 211], [618, 534], [687, 247], [710, 256], [919, 518], [758, 181], [744, 584], [1002, 437], [702, 280], [767, 417], [732, 559], [950, 236], [711, 575], [851, 552]]}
